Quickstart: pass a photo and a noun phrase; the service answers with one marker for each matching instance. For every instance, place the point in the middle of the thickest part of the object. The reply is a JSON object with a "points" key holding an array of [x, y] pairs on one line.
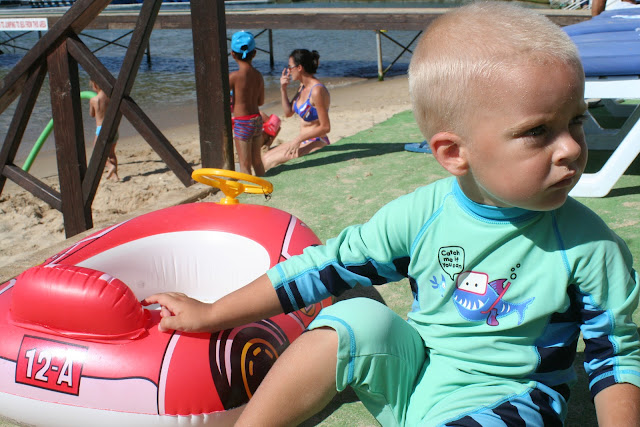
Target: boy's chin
{"points": [[550, 203]]}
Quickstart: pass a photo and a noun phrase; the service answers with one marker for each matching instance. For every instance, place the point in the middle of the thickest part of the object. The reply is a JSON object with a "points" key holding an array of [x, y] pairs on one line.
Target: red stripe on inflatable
{"points": [[301, 237], [189, 386]]}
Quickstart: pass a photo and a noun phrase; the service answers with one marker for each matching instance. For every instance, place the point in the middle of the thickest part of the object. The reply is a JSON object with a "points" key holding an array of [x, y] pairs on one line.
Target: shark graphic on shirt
{"points": [[478, 299]]}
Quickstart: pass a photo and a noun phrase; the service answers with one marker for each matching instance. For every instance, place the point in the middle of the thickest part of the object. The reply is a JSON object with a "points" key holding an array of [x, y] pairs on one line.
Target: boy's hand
{"points": [[285, 78], [181, 313]]}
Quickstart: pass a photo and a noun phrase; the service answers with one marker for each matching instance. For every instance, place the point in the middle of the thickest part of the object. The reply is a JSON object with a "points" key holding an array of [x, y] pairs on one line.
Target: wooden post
{"points": [[69, 134], [21, 118], [212, 83]]}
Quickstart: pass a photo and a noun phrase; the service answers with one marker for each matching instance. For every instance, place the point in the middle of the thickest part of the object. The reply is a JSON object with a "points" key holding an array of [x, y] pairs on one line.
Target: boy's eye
{"points": [[536, 131], [579, 120]]}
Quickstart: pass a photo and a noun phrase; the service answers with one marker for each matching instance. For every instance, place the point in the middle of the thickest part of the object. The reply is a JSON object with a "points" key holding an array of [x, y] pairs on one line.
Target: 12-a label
{"points": [[50, 364]]}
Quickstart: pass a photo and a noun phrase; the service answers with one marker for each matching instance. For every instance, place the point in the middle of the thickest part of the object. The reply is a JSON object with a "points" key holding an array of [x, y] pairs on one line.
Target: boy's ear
{"points": [[449, 151]]}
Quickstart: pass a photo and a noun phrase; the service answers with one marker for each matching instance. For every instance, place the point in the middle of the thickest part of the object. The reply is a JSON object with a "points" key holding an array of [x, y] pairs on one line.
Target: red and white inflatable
{"points": [[77, 348]]}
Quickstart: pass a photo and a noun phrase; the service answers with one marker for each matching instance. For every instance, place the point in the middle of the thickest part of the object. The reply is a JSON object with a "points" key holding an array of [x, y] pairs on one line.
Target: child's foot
{"points": [[112, 174]]}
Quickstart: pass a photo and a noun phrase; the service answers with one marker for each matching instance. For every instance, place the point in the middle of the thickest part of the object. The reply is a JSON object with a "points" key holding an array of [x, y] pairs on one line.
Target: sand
{"points": [[31, 226]]}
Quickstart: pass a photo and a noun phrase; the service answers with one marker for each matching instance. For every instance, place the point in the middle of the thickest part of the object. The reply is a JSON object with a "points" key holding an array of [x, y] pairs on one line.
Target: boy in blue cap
{"points": [[506, 270], [247, 89]]}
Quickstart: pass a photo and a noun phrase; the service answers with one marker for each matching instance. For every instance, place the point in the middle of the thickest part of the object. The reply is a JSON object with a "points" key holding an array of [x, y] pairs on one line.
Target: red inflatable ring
{"points": [[77, 348]]}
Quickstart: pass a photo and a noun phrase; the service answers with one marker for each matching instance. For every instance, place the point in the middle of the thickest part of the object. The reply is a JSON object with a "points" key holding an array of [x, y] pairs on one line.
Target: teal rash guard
{"points": [[502, 293]]}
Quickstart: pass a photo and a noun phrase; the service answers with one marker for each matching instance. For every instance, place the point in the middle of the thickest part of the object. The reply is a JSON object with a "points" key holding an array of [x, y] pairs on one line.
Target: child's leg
{"points": [[112, 164], [256, 155], [378, 354], [243, 148], [300, 383]]}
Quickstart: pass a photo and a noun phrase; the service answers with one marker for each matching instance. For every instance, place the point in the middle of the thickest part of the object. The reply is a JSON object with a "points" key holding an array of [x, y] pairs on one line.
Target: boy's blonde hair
{"points": [[471, 47]]}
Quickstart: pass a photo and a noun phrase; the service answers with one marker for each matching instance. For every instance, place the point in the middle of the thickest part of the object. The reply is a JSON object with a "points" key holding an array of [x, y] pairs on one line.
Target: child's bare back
{"points": [[98, 106], [248, 90]]}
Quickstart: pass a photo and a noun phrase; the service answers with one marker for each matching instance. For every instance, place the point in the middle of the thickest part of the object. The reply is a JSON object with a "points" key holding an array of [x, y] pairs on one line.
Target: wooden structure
{"points": [[381, 20], [370, 18], [60, 51]]}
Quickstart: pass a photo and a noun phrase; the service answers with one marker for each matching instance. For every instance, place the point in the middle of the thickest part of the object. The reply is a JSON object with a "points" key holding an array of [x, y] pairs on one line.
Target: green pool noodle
{"points": [[85, 94]]}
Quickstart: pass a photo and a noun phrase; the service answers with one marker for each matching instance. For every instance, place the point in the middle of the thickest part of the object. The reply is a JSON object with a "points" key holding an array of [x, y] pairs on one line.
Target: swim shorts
{"points": [[385, 361], [247, 127], [115, 138]]}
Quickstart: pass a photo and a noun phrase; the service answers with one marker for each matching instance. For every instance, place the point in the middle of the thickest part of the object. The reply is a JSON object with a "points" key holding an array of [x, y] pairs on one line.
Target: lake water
{"points": [[169, 82]]}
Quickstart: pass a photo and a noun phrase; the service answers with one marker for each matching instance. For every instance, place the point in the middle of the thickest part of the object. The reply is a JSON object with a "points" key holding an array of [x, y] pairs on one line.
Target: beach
{"points": [[31, 230]]}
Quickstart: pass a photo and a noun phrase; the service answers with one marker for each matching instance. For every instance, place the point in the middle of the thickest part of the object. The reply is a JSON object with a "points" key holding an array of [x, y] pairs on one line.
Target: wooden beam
{"points": [[90, 63], [413, 19], [363, 19], [21, 117], [374, 18], [212, 83], [34, 186], [69, 135]]}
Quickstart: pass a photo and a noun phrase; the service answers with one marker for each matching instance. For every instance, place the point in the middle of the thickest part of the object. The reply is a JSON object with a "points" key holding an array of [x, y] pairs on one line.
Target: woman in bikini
{"points": [[311, 103]]}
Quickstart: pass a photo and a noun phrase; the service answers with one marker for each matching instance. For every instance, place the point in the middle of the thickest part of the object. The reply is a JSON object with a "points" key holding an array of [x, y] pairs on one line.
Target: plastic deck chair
{"points": [[609, 46]]}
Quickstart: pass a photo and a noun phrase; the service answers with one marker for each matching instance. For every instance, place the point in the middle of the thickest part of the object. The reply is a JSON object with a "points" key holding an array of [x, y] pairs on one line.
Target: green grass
{"points": [[346, 182]]}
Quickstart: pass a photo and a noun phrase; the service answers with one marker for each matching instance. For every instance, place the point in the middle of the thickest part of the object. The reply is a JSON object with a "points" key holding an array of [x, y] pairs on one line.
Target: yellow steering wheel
{"points": [[232, 189]]}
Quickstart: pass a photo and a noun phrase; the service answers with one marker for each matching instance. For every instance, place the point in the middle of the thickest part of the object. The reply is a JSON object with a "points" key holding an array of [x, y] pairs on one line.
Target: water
{"points": [[169, 82]]}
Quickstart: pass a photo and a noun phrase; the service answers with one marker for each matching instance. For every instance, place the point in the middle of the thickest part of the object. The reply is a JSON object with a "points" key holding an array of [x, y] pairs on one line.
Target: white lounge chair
{"points": [[609, 46]]}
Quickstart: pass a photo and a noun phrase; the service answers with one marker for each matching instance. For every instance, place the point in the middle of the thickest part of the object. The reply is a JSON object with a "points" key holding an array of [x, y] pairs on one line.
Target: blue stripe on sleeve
{"points": [[333, 279]]}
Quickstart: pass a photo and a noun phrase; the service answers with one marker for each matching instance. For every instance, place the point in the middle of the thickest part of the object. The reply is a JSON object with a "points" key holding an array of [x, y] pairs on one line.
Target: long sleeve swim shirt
{"points": [[500, 292]]}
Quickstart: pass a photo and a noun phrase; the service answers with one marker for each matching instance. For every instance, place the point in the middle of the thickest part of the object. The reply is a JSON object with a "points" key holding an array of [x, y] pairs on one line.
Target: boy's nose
{"points": [[570, 148]]}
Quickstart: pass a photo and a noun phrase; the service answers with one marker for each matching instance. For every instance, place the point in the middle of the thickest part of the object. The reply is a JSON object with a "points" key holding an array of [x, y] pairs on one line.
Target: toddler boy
{"points": [[505, 269]]}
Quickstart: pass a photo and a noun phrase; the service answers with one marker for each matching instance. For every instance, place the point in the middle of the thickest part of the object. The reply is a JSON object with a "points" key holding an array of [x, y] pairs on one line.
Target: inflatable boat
{"points": [[77, 348]]}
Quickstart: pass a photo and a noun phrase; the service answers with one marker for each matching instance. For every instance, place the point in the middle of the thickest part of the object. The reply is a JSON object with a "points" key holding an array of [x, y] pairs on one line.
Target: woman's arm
{"points": [[286, 104]]}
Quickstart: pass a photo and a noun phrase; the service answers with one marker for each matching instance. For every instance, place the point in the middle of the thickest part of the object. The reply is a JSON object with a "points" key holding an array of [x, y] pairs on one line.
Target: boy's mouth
{"points": [[568, 180]]}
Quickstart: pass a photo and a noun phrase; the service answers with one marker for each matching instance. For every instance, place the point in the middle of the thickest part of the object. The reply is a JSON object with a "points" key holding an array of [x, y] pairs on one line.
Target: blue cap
{"points": [[243, 43]]}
